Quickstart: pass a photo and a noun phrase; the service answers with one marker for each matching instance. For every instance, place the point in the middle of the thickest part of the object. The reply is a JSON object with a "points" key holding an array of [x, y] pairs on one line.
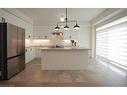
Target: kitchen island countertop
{"points": [[65, 48]]}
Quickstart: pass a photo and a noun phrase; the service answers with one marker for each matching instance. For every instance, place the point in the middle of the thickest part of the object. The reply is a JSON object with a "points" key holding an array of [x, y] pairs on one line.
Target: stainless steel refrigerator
{"points": [[12, 50]]}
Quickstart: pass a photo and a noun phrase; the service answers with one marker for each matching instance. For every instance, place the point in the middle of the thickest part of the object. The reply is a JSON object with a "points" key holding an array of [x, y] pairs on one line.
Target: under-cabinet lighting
{"points": [[27, 40], [45, 40], [66, 40]]}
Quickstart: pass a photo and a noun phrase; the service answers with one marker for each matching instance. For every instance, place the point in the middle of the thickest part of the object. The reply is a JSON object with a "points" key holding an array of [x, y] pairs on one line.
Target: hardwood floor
{"points": [[95, 75]]}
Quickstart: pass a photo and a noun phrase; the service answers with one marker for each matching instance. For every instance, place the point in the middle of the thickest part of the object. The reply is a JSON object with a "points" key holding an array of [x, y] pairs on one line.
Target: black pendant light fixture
{"points": [[76, 26], [57, 27], [66, 27]]}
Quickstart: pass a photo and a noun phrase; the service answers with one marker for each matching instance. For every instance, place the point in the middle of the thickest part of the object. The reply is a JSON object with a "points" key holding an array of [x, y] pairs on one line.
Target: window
{"points": [[111, 41]]}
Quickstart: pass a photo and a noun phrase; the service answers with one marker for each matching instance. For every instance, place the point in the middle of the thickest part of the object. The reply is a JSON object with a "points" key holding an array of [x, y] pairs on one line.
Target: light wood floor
{"points": [[96, 74]]}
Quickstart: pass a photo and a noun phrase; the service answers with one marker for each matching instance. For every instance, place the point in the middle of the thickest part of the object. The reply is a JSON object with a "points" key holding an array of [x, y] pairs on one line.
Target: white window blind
{"points": [[111, 42]]}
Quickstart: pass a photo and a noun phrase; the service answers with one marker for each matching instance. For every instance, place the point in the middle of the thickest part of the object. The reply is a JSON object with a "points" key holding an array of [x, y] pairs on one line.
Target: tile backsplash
{"points": [[46, 42]]}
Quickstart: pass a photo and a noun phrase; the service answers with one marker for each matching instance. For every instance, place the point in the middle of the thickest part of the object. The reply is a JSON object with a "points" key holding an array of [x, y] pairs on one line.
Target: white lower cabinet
{"points": [[38, 53], [30, 54]]}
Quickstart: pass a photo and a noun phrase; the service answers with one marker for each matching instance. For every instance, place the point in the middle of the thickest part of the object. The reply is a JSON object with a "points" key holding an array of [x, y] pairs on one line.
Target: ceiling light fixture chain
{"points": [[66, 15]]}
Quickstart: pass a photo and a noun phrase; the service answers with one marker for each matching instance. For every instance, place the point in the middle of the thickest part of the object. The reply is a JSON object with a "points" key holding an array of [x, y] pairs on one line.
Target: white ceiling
{"points": [[52, 15]]}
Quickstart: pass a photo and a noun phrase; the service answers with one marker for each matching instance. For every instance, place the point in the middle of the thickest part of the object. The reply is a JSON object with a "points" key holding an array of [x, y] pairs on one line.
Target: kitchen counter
{"points": [[65, 48], [67, 58]]}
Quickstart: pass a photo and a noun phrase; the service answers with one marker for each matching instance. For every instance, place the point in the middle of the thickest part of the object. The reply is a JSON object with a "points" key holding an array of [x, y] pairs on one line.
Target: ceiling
{"points": [[52, 15]]}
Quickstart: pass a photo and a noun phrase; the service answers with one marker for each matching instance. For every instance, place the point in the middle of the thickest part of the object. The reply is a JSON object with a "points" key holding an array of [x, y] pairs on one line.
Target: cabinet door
{"points": [[11, 40]]}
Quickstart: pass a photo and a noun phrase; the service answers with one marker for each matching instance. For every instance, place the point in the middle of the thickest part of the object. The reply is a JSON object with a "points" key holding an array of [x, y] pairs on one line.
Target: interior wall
{"points": [[16, 20]]}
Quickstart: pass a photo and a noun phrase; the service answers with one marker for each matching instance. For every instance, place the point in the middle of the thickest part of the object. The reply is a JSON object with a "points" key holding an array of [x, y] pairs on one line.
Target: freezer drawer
{"points": [[15, 65], [12, 67], [11, 40]]}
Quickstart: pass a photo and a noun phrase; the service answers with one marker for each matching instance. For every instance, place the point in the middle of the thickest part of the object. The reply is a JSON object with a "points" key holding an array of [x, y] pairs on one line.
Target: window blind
{"points": [[111, 42]]}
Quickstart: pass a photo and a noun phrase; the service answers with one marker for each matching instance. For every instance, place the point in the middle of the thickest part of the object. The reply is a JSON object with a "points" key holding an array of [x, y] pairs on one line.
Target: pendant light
{"points": [[76, 26], [57, 28], [66, 27]]}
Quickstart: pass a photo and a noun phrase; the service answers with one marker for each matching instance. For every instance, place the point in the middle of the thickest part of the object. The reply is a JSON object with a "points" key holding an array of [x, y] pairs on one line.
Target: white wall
{"points": [[83, 36], [15, 17]]}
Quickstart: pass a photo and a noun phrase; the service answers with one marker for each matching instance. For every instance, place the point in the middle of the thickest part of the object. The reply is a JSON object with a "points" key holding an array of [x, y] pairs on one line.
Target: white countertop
{"points": [[65, 48]]}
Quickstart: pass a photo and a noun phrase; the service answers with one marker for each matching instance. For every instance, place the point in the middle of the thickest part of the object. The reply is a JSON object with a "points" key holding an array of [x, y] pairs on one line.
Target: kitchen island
{"points": [[68, 58]]}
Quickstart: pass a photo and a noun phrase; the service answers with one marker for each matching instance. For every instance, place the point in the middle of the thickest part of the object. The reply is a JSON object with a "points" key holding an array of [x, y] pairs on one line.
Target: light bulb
{"points": [[62, 19]]}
